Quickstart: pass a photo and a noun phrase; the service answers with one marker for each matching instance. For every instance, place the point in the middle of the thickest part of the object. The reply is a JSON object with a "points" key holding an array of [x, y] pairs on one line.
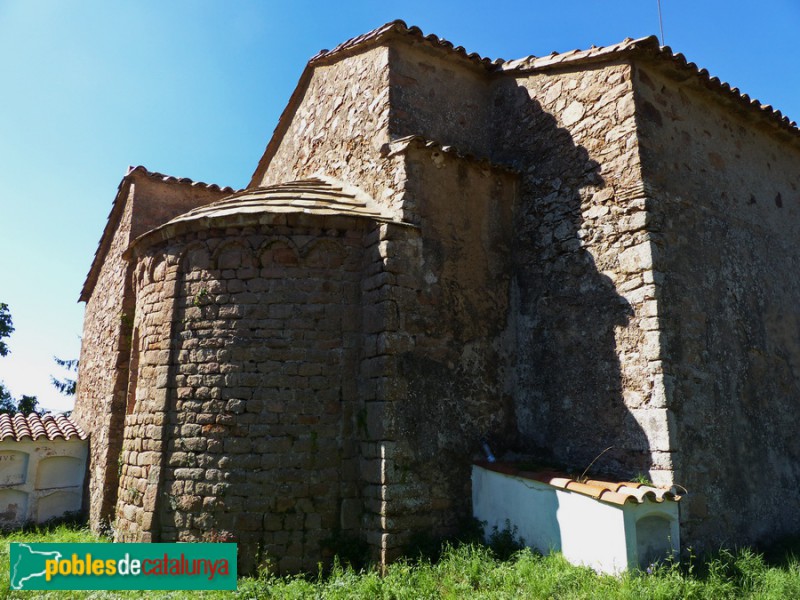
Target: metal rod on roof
{"points": [[661, 23]]}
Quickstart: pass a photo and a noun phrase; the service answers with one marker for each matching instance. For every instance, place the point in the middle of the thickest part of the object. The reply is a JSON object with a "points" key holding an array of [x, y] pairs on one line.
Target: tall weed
{"points": [[472, 570]]}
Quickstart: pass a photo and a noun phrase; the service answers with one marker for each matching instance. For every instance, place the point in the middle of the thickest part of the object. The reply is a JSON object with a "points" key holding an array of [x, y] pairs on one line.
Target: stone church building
{"points": [[558, 254]]}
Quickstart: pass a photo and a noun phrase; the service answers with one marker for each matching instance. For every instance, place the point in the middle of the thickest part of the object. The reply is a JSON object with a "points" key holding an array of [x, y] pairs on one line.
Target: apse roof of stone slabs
{"points": [[647, 47], [614, 492], [318, 195], [18, 426]]}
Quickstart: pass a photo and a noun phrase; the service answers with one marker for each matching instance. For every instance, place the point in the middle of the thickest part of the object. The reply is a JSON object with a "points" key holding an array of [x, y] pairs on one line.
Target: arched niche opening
{"points": [[59, 472], [653, 540]]}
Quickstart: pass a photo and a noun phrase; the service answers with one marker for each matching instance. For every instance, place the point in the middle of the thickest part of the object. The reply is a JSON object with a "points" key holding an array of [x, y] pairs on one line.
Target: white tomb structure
{"points": [[42, 468], [610, 527]]}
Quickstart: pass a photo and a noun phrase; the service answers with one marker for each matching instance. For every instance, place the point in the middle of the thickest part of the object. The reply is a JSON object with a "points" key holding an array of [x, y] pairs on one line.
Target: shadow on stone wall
{"points": [[568, 384]]}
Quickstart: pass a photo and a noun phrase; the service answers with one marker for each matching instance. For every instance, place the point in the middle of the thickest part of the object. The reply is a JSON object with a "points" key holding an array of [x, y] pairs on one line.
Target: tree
{"points": [[5, 327], [6, 401], [66, 386], [26, 404]]}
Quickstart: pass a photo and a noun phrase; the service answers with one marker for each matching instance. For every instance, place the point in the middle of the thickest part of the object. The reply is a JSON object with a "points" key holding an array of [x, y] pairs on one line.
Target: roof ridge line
{"points": [[173, 179], [400, 28], [533, 62], [649, 47], [597, 489], [716, 84]]}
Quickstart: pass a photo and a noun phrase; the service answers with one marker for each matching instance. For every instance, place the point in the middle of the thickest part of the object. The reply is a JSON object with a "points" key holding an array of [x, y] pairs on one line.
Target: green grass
{"points": [[474, 571]]}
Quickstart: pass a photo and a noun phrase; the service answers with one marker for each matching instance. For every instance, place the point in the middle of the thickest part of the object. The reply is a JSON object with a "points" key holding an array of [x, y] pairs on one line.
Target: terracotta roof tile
{"points": [[18, 426], [181, 180], [554, 59], [647, 47], [399, 28], [606, 491]]}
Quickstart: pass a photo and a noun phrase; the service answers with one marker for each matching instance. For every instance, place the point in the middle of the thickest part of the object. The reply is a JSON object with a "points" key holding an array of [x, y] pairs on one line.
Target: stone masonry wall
{"points": [[588, 372], [158, 201], [611, 276], [387, 252], [581, 342], [107, 329], [437, 302], [102, 375], [338, 128], [351, 108], [439, 98], [724, 199], [243, 422], [141, 461]]}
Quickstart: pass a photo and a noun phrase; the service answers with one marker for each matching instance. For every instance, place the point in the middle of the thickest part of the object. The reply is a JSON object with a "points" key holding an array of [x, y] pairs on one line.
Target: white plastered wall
{"points": [[40, 479], [606, 537]]}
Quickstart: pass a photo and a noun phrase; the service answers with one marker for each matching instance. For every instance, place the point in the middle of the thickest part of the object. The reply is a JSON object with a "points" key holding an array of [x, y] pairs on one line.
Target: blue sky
{"points": [[195, 88]]}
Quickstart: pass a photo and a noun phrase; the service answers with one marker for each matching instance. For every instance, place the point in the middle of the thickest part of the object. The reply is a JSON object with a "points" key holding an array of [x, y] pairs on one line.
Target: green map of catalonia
{"points": [[28, 564]]}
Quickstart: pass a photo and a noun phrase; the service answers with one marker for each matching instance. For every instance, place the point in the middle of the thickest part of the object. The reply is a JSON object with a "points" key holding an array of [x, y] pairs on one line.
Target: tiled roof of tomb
{"points": [[614, 492], [16, 427]]}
